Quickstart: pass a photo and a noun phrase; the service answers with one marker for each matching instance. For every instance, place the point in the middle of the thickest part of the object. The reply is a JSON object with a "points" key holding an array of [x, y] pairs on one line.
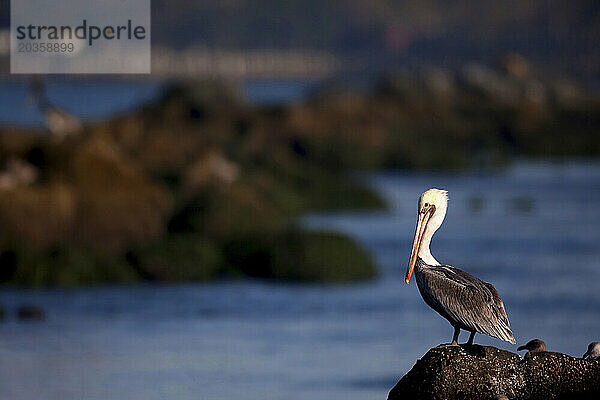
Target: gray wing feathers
{"points": [[470, 302]]}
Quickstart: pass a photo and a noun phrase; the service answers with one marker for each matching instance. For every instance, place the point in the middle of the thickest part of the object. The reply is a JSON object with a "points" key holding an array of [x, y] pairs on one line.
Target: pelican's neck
{"points": [[439, 200], [424, 252], [432, 226]]}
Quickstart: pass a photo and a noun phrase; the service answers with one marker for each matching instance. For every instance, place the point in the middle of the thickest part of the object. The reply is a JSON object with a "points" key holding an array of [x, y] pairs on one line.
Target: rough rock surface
{"points": [[484, 372]]}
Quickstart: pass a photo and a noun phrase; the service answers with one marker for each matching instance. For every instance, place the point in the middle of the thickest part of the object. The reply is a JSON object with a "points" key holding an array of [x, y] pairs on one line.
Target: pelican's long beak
{"points": [[422, 220]]}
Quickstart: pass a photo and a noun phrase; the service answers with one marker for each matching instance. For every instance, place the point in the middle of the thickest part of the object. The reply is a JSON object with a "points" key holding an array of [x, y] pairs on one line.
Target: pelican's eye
{"points": [[426, 204]]}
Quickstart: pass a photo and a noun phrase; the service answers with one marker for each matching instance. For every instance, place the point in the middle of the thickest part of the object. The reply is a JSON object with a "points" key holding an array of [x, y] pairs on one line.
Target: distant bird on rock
{"points": [[59, 122], [534, 346], [593, 351]]}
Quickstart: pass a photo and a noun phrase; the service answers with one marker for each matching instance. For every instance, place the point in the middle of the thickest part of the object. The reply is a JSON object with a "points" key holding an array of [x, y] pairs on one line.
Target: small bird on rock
{"points": [[593, 351], [534, 346]]}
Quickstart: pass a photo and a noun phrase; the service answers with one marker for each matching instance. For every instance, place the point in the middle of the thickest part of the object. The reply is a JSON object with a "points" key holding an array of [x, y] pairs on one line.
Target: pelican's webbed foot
{"points": [[455, 337]]}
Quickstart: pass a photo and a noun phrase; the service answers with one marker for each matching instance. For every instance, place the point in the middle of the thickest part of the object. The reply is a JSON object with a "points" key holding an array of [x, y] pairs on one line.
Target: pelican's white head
{"points": [[432, 210]]}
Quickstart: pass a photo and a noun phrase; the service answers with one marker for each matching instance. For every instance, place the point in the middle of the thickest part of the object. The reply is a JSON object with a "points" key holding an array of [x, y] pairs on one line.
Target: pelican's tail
{"points": [[507, 335], [501, 329]]}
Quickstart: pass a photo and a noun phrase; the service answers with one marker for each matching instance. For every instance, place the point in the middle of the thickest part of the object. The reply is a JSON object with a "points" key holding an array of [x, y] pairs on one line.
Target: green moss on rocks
{"points": [[64, 266], [178, 258], [300, 256]]}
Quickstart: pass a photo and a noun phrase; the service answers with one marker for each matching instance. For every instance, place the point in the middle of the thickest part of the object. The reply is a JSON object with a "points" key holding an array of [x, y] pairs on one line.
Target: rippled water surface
{"points": [[532, 231]]}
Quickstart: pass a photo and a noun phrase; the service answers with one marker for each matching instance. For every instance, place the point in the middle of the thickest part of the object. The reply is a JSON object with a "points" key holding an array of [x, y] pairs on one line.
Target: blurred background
{"points": [[237, 224]]}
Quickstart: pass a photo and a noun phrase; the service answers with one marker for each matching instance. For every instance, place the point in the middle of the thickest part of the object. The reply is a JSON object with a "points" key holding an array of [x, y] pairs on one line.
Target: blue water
{"points": [[531, 231], [277, 92], [89, 100], [96, 100]]}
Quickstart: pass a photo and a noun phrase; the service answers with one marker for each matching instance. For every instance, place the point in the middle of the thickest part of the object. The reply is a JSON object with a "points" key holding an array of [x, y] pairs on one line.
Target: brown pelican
{"points": [[465, 301], [534, 346], [593, 351]]}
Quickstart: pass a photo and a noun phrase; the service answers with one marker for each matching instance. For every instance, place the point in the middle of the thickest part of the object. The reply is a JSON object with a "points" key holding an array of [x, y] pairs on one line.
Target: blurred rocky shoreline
{"points": [[202, 185]]}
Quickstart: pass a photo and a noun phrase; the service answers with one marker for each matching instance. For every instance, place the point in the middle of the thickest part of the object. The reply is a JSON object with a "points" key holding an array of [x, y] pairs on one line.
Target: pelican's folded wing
{"points": [[471, 302]]}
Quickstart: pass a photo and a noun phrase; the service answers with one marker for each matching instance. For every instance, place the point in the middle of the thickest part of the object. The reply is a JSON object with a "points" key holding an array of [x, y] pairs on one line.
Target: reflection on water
{"points": [[256, 340]]}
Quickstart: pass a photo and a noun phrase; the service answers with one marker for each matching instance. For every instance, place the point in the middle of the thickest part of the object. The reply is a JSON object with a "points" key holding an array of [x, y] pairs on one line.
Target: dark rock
{"points": [[30, 313], [8, 261], [485, 372]]}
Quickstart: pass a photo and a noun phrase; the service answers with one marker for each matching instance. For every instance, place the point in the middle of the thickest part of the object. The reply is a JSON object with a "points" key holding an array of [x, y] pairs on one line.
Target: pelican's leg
{"points": [[470, 341], [455, 337]]}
